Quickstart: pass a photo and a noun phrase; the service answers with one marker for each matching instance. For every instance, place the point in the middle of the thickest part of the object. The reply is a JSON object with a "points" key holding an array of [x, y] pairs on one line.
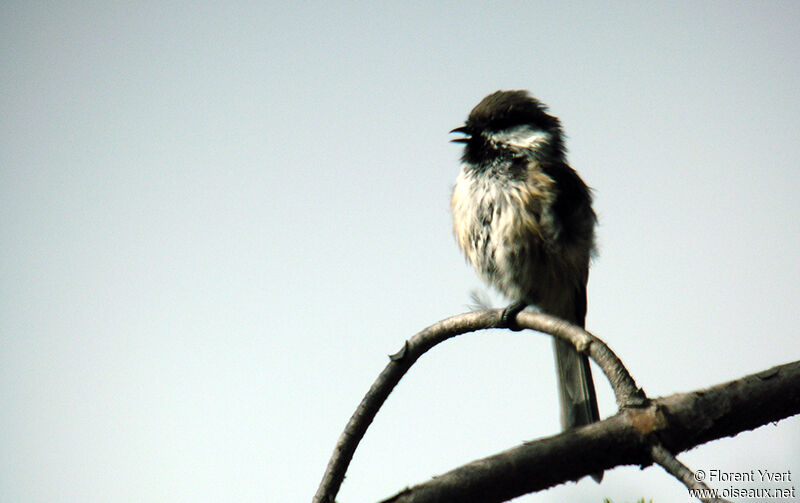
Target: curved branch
{"points": [[625, 389], [398, 365], [623, 384]]}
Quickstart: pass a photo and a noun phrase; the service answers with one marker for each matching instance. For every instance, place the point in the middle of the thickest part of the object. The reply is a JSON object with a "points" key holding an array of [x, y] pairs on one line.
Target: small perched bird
{"points": [[524, 219]]}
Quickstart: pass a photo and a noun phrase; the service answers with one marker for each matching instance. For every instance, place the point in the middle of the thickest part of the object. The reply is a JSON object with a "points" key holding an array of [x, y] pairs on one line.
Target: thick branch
{"points": [[680, 421]]}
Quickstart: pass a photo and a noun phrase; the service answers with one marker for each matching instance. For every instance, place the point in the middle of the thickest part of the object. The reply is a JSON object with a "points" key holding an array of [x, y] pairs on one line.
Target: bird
{"points": [[524, 220]]}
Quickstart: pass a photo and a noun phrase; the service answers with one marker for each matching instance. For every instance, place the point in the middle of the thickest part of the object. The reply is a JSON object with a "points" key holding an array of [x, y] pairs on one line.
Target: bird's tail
{"points": [[575, 386], [575, 389]]}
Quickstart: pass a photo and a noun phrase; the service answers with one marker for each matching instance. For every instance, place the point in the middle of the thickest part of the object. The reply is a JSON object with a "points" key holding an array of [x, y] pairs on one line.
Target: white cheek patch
{"points": [[521, 137]]}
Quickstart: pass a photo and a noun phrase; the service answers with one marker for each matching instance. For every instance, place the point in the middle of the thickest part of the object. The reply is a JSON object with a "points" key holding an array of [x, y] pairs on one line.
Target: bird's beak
{"points": [[461, 130]]}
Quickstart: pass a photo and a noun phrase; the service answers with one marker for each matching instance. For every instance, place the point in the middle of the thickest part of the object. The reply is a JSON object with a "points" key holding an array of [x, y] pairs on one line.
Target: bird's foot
{"points": [[509, 317]]}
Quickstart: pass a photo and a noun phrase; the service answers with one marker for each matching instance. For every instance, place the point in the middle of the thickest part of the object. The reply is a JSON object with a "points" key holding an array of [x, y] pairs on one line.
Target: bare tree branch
{"points": [[680, 421], [623, 384], [641, 433], [398, 365], [625, 390], [671, 465]]}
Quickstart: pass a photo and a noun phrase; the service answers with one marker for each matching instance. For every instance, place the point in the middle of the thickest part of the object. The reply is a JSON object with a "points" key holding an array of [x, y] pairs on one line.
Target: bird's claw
{"points": [[508, 318]]}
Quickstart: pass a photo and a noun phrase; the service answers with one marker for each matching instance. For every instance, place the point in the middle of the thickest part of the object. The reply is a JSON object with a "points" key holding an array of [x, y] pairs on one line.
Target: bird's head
{"points": [[510, 122]]}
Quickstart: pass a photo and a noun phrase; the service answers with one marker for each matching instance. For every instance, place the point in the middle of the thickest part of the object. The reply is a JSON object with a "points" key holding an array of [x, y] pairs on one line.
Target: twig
{"points": [[670, 463], [625, 389], [398, 365]]}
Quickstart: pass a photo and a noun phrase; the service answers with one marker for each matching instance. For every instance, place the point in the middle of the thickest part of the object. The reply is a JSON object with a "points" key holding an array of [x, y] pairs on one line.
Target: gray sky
{"points": [[217, 220]]}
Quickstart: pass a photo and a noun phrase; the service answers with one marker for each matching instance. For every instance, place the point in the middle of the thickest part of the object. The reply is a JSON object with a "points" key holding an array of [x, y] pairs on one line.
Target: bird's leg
{"points": [[509, 317]]}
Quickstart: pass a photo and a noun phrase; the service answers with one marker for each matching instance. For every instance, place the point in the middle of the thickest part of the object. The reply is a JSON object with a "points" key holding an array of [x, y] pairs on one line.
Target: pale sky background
{"points": [[216, 220]]}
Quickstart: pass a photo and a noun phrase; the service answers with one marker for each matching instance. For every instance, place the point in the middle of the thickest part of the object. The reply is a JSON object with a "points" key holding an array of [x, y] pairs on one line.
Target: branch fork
{"points": [[643, 431]]}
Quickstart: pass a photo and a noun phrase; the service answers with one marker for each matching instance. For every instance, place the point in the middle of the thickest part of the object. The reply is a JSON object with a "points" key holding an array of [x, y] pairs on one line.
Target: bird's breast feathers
{"points": [[498, 219]]}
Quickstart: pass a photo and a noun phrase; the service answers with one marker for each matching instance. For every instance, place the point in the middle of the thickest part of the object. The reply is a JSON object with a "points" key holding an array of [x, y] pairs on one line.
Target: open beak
{"points": [[461, 130]]}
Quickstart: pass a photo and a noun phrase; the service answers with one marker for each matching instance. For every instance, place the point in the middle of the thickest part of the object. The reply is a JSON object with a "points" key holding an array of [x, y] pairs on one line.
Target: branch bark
{"points": [[642, 432], [679, 421], [687, 477], [625, 389], [399, 364]]}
